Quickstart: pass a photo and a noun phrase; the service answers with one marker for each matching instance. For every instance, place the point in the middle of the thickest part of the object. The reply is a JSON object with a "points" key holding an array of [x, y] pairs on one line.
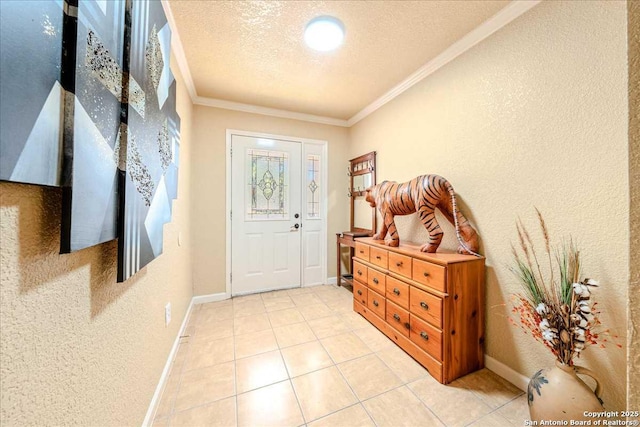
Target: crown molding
{"points": [[274, 112], [510, 12], [178, 51]]}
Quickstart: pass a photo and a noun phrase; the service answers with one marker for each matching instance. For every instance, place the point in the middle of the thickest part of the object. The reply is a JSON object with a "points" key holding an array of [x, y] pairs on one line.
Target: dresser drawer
{"points": [[376, 303], [429, 274], [426, 337], [398, 318], [400, 264], [376, 280], [362, 251], [359, 272], [426, 306], [360, 292], [378, 256], [398, 292]]}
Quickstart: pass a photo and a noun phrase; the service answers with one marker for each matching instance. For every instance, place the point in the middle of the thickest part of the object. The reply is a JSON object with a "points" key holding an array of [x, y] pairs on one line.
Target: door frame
{"points": [[324, 194]]}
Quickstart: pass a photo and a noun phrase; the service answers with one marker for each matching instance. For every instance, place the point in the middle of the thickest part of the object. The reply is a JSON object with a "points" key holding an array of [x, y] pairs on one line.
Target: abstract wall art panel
{"points": [[149, 154], [92, 123], [88, 103], [31, 94]]}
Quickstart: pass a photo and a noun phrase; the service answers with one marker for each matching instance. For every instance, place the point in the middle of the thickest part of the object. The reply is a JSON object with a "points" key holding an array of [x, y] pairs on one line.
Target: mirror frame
{"points": [[369, 160]]}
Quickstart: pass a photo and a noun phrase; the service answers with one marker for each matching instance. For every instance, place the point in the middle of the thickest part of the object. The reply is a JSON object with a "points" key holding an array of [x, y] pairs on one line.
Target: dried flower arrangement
{"points": [[557, 310]]}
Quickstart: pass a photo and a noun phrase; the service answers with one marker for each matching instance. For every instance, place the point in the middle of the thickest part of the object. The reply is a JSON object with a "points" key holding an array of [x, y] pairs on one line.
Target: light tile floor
{"points": [[303, 357]]}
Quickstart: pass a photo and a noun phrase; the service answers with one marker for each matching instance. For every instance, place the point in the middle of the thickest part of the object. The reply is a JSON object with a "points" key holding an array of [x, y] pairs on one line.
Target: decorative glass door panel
{"points": [[314, 181], [267, 191]]}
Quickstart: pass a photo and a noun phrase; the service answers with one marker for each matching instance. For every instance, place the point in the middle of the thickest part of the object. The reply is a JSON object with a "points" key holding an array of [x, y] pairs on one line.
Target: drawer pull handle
{"points": [[359, 273], [375, 280], [424, 335], [397, 317], [361, 252], [407, 325], [359, 292], [426, 274], [396, 291], [378, 257], [399, 264], [424, 305], [375, 303]]}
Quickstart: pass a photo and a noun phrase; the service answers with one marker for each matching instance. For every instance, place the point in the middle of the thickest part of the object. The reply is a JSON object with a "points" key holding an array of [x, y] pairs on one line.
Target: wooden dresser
{"points": [[431, 305]]}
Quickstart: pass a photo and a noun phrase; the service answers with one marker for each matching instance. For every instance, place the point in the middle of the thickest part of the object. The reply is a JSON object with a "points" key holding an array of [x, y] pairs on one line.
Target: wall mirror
{"points": [[362, 182], [362, 171]]}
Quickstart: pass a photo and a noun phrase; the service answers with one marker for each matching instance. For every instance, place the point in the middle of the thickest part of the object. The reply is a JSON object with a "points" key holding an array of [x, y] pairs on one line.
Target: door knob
{"points": [[295, 227]]}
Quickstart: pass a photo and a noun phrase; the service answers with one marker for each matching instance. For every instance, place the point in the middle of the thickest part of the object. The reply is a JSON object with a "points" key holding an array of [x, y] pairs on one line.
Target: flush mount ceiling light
{"points": [[324, 33]]}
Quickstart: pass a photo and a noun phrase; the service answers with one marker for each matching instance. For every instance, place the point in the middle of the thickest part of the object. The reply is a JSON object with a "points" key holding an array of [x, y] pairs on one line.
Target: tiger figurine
{"points": [[422, 195]]}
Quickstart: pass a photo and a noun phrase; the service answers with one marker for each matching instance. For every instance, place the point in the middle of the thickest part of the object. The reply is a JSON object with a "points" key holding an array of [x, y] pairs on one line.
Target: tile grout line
{"points": [[497, 409], [425, 405], [371, 398], [379, 394], [290, 378], [407, 382], [180, 373], [360, 401], [183, 371], [235, 367], [295, 394], [317, 370], [482, 399]]}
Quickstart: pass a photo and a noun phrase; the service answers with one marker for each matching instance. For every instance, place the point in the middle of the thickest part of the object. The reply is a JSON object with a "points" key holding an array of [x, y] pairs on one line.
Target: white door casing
{"points": [[264, 250]]}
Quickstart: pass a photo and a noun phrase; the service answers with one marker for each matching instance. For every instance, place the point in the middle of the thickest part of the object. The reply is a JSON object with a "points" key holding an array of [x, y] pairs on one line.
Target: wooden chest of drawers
{"points": [[431, 305]]}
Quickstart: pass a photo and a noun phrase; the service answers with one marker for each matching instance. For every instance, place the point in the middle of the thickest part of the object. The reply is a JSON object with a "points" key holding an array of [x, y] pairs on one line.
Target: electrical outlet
{"points": [[167, 314]]}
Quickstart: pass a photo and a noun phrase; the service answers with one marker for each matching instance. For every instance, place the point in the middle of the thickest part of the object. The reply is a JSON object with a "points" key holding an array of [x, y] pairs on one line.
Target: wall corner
{"points": [[633, 341]]}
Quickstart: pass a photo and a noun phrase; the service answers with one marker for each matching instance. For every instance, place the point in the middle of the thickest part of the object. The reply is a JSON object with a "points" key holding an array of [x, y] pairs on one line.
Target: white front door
{"points": [[266, 214]]}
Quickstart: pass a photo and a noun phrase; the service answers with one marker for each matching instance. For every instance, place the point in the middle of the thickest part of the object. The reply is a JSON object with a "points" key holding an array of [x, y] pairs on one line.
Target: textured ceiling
{"points": [[253, 52]]}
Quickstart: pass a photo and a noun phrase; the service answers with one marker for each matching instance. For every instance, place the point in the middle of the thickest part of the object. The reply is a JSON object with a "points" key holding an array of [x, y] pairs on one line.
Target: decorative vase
{"points": [[559, 394]]}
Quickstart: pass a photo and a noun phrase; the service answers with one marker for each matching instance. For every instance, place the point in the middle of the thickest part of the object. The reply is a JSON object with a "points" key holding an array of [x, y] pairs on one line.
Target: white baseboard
{"points": [[332, 280], [151, 411], [515, 378], [203, 299]]}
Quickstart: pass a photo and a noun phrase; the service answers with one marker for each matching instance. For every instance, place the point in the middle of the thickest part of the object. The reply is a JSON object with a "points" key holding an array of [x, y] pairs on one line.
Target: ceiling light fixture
{"points": [[324, 33]]}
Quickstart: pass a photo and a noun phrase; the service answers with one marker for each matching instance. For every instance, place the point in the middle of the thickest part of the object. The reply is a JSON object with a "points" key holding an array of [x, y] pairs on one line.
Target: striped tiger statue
{"points": [[422, 195]]}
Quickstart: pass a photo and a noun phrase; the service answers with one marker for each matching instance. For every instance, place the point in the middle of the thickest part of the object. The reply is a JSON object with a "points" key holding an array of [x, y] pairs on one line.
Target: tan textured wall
{"points": [[209, 175], [77, 348], [633, 27], [535, 115]]}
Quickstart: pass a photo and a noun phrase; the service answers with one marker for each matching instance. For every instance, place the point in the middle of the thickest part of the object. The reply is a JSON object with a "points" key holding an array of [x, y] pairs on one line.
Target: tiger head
{"points": [[371, 193]]}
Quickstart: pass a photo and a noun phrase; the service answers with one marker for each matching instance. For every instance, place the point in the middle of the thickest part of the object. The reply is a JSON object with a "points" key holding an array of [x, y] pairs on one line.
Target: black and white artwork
{"points": [[92, 119], [88, 103], [31, 93], [150, 152]]}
